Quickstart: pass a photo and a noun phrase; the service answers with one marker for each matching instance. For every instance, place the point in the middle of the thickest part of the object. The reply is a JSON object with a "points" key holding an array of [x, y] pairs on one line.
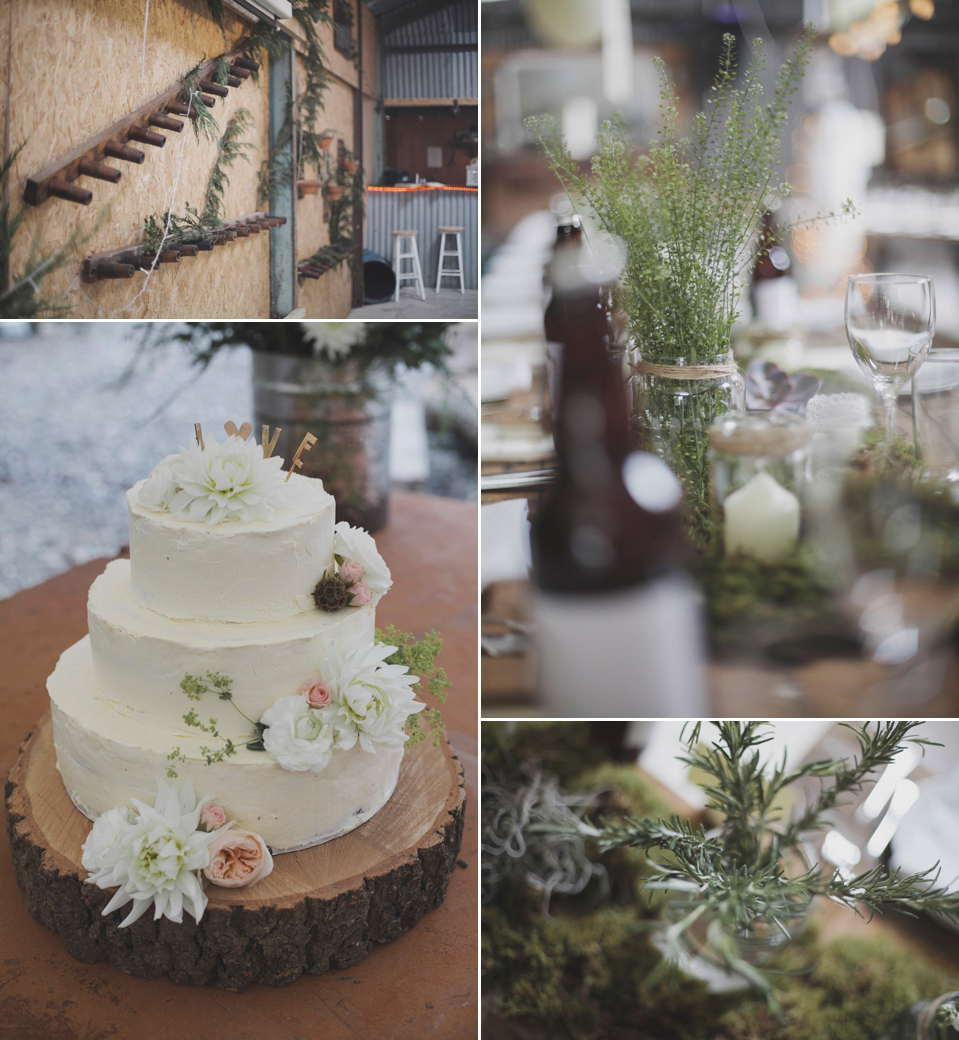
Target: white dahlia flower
{"points": [[228, 481], [154, 855], [159, 487], [297, 736], [354, 544], [333, 339], [371, 699]]}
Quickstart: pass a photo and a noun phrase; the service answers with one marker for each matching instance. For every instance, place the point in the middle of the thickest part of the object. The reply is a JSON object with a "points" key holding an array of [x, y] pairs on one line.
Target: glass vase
{"points": [[674, 402], [348, 411], [925, 1021]]}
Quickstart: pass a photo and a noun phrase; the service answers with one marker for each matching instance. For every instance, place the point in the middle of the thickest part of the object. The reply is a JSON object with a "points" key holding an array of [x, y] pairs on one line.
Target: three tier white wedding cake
{"points": [[231, 663]]}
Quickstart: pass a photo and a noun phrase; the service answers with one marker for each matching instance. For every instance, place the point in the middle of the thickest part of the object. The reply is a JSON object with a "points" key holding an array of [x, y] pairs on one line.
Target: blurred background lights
{"points": [[869, 34]]}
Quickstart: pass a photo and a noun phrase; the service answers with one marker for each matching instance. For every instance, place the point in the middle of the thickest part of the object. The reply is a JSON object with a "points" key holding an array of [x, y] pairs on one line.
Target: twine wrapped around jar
{"points": [[650, 368]]}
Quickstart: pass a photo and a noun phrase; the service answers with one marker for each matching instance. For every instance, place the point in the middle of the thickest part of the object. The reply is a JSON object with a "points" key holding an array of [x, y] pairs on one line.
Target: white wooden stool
{"points": [[450, 272], [399, 255]]}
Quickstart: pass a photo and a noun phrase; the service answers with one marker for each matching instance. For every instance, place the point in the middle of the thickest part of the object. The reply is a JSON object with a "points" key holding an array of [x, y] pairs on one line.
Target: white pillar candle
{"points": [[762, 519]]}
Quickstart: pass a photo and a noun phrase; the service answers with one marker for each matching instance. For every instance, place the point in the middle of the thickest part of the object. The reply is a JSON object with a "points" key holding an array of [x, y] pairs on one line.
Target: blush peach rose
{"points": [[351, 572], [212, 818], [238, 858], [318, 693]]}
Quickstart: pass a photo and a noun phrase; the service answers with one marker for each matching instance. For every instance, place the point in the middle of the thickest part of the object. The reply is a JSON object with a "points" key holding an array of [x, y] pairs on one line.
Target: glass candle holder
{"points": [[760, 472]]}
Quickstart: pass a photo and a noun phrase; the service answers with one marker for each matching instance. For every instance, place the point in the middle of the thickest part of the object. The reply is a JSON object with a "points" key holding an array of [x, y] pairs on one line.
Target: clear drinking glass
{"points": [[890, 320]]}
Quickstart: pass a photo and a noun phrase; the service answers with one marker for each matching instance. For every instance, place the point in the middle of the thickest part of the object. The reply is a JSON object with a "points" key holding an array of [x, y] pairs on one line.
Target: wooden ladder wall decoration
{"points": [[125, 262], [59, 178]]}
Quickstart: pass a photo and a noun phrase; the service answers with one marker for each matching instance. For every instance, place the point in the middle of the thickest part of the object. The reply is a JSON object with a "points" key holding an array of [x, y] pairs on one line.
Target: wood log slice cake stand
{"points": [[321, 908]]}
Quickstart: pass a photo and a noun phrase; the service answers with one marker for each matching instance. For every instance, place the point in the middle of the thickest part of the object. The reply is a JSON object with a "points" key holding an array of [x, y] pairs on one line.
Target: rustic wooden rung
{"points": [[72, 192], [56, 179], [214, 88], [165, 122], [139, 133], [181, 108], [114, 264], [99, 170], [121, 151], [110, 270]]}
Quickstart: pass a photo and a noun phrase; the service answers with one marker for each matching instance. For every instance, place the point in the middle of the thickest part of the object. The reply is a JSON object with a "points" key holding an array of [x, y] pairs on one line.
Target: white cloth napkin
{"points": [[504, 539]]}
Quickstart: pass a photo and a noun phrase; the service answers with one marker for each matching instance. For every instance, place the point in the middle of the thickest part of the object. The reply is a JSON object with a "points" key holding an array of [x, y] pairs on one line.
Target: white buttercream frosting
{"points": [[106, 758], [140, 657], [261, 570]]}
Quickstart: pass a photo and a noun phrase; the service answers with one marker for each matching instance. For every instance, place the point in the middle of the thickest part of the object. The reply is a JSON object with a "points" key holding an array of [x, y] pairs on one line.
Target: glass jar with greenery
{"points": [[688, 214]]}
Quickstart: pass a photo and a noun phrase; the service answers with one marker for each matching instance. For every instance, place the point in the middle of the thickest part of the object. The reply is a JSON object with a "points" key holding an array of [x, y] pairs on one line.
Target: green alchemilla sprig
{"points": [[196, 687]]}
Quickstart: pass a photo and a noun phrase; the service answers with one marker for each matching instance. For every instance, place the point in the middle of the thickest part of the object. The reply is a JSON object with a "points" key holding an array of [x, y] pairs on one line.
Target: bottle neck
{"points": [[592, 417]]}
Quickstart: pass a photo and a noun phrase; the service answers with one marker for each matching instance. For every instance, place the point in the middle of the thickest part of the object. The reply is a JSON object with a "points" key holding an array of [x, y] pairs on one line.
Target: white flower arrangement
{"points": [[333, 339], [228, 481], [369, 703], [353, 544], [371, 699], [153, 853], [297, 736]]}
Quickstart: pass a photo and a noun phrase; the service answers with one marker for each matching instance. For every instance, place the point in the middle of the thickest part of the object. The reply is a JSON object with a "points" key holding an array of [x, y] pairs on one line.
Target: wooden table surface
{"points": [[423, 984], [831, 688]]}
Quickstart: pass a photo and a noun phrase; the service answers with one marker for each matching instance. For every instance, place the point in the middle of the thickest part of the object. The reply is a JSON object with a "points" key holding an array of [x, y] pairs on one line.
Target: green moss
{"points": [[855, 989], [560, 748], [590, 972], [782, 609], [585, 977], [891, 460]]}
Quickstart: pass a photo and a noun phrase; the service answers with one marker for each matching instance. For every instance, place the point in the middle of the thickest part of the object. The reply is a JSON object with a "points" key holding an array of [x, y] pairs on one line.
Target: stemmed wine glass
{"points": [[890, 319]]}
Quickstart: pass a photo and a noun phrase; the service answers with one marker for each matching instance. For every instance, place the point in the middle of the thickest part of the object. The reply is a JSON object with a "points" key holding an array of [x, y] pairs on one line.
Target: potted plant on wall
{"points": [[688, 214], [332, 379]]}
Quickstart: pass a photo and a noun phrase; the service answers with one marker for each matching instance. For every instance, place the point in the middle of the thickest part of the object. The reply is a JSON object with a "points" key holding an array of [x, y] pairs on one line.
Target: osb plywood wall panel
{"points": [[79, 65], [369, 51], [329, 296], [339, 65]]}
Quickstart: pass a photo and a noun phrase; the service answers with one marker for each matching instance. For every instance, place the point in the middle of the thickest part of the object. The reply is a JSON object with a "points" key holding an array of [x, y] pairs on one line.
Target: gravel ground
{"points": [[81, 423]]}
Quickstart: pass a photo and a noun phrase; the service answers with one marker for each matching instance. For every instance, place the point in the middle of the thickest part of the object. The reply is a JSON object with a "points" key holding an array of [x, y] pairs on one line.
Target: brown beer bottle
{"points": [[617, 618]]}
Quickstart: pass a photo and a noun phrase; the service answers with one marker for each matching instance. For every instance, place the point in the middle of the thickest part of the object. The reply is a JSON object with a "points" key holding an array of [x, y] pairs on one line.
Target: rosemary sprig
{"points": [[743, 873]]}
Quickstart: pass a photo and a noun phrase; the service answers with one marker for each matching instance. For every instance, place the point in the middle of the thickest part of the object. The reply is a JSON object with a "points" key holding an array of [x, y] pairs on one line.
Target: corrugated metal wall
{"points": [[432, 57], [424, 211]]}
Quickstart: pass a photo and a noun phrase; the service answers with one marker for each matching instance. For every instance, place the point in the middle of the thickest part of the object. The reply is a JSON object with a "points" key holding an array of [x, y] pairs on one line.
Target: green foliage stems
{"points": [[687, 214], [195, 225], [741, 874], [343, 213], [265, 40], [420, 657], [385, 345], [688, 211]]}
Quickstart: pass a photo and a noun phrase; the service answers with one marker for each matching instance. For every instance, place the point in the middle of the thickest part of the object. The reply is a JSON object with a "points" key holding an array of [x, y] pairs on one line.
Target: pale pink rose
{"points": [[317, 693], [238, 858], [361, 596], [212, 818], [350, 571]]}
